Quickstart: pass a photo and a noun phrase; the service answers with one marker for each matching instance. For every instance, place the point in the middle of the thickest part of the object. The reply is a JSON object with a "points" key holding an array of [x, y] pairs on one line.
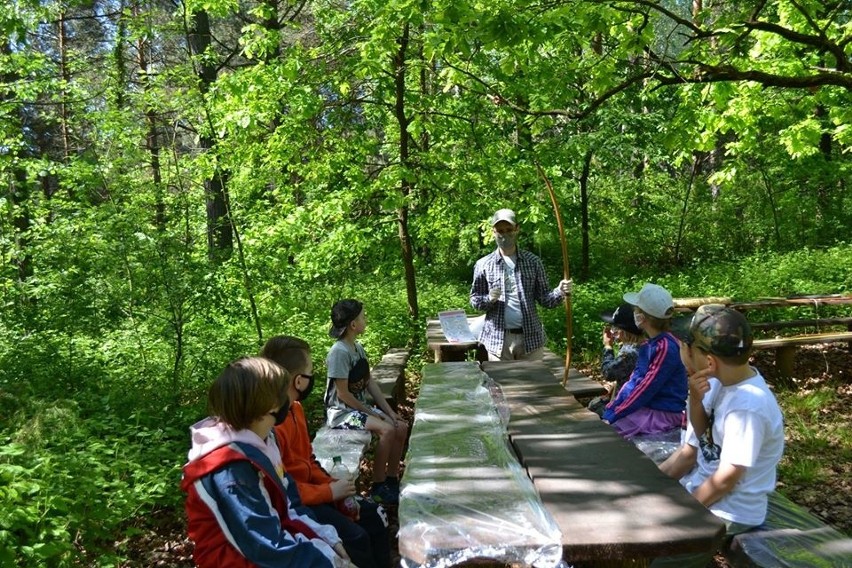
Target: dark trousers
{"points": [[366, 540]]}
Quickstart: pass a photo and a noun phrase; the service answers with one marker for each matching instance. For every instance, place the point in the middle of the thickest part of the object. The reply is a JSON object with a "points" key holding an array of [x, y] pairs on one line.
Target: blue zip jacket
{"points": [[658, 381]]}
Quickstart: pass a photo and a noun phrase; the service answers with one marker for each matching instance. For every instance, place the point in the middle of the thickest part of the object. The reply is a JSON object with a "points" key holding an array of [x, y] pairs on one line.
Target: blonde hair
{"points": [[246, 390], [629, 338], [662, 324]]}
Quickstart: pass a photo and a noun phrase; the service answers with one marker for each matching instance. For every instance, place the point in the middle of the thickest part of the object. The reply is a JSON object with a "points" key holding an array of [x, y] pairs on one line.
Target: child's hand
{"points": [[341, 488], [342, 559], [699, 383], [607, 337]]}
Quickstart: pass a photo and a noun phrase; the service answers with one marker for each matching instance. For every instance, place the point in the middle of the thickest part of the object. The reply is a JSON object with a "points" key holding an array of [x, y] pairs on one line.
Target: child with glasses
{"points": [[238, 512], [735, 436], [365, 537]]}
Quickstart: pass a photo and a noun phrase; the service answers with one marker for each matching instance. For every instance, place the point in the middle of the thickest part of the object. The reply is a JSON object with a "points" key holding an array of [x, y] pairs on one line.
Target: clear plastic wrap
{"points": [[348, 444], [792, 538], [660, 446], [464, 494]]}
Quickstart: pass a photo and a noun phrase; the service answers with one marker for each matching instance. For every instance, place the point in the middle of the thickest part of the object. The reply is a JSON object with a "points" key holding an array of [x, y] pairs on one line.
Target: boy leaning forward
{"points": [[735, 434]]}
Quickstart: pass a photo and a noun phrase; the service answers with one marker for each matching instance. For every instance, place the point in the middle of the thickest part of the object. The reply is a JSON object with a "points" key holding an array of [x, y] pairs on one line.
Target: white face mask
{"points": [[638, 319]]}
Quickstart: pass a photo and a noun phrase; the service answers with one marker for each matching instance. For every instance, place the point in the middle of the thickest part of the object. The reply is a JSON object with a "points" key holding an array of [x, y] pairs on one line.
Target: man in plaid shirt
{"points": [[506, 285]]}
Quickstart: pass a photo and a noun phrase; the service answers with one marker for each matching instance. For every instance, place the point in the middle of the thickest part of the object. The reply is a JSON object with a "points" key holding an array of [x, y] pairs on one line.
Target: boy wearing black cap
{"points": [[617, 367], [734, 441], [346, 405]]}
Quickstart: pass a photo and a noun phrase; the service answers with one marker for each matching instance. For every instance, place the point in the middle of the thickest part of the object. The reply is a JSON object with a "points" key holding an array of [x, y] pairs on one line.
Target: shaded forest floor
{"points": [[161, 540]]}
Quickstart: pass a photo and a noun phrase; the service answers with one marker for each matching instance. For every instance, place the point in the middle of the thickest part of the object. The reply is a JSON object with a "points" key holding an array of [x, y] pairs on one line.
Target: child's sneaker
{"points": [[385, 494]]}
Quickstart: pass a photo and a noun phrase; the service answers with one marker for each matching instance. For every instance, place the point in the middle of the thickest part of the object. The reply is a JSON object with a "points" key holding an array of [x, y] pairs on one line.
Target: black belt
{"points": [[516, 330]]}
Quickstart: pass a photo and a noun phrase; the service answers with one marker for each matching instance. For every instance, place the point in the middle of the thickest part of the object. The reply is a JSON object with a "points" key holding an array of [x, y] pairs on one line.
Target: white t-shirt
{"points": [[748, 429], [512, 317]]}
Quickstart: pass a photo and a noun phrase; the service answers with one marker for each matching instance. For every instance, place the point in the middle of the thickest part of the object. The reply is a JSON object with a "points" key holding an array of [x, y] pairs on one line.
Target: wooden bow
{"points": [[568, 324]]}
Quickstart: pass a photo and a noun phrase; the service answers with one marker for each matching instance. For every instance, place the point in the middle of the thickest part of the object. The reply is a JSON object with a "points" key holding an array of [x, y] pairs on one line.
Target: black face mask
{"points": [[281, 414], [303, 394]]}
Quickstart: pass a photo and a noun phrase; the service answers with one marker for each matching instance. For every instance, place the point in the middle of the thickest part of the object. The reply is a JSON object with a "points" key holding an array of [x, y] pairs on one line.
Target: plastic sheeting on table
{"points": [[792, 538], [464, 494], [348, 444], [660, 446]]}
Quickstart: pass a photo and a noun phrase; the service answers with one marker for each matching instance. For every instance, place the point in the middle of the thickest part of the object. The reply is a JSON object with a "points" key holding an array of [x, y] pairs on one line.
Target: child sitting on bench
{"points": [[652, 401], [346, 404], [734, 441], [618, 367], [365, 537], [238, 513]]}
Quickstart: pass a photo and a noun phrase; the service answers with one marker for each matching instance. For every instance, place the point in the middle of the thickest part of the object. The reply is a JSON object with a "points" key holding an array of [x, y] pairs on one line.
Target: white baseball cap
{"points": [[504, 215], [652, 299]]}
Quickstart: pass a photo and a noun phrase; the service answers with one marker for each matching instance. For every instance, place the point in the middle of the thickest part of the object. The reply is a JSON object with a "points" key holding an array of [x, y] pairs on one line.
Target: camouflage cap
{"points": [[719, 330]]}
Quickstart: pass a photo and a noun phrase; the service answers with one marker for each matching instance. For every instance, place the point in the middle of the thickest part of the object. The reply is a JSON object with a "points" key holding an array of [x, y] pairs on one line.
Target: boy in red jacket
{"points": [[365, 538]]}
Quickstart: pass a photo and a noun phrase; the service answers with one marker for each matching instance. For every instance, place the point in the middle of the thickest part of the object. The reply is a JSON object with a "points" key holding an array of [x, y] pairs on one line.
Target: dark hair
{"points": [[732, 360], [290, 352], [246, 390]]}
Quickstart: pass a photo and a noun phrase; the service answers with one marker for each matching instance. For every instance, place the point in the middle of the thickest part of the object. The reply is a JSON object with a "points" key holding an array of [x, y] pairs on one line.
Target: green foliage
{"points": [[116, 313], [72, 480]]}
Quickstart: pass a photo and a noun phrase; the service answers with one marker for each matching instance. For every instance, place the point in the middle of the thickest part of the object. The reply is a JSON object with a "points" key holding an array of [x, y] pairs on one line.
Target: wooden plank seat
{"points": [[791, 537], [389, 374], [579, 385], [610, 501], [785, 347], [823, 326], [464, 494]]}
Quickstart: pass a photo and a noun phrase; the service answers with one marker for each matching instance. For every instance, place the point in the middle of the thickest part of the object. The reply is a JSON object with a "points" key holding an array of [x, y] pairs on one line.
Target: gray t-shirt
{"points": [[340, 361]]}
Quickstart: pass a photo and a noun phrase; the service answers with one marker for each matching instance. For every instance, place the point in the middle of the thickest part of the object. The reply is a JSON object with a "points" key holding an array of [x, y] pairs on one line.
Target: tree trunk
{"points": [[152, 140], [405, 184], [63, 70], [220, 239], [584, 209]]}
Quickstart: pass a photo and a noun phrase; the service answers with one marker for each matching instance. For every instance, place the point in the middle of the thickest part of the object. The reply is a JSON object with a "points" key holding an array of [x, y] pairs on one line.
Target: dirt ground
{"points": [[162, 540]]}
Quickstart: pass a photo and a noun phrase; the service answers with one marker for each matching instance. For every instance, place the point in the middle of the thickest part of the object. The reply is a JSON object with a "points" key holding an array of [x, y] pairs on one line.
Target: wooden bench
{"points": [[610, 501], [579, 385], [791, 537], [825, 328], [389, 374], [785, 347]]}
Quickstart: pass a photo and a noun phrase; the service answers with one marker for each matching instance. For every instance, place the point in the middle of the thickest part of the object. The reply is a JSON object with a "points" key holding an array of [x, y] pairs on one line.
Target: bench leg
{"points": [[784, 357]]}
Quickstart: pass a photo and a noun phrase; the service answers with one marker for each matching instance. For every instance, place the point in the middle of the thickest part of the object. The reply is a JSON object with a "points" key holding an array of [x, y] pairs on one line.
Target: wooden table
{"points": [[464, 495], [609, 500], [578, 384], [445, 350]]}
